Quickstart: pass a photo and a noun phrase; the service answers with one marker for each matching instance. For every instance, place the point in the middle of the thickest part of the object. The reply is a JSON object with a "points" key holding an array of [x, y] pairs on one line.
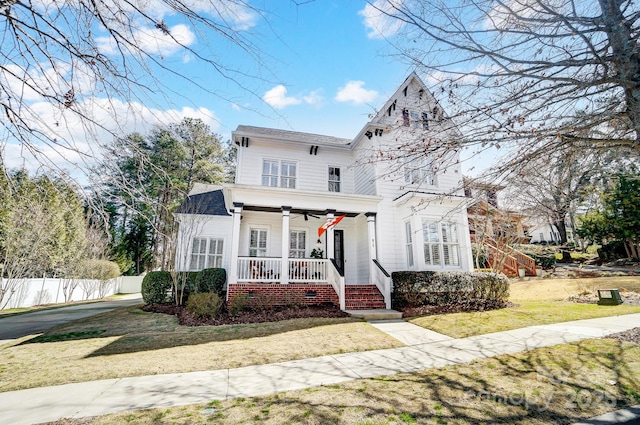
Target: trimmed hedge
{"points": [[413, 289], [211, 280], [155, 287]]}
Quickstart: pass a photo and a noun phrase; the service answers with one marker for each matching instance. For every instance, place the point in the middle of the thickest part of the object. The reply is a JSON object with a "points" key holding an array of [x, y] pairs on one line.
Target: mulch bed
{"points": [[632, 335], [274, 314]]}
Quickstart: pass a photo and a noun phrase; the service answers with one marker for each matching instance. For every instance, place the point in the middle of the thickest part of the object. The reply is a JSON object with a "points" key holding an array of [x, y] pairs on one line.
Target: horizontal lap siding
{"points": [[285, 294], [312, 171]]}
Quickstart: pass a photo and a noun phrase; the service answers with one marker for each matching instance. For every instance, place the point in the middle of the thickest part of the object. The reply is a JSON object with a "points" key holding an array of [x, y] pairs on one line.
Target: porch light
{"points": [[319, 243]]}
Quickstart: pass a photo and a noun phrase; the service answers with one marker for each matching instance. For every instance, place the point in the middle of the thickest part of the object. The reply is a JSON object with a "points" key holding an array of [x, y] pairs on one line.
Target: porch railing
{"points": [[259, 269], [269, 269], [312, 270]]}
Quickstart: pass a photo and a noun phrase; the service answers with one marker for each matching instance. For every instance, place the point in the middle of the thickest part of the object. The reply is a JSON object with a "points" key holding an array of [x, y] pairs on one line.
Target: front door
{"points": [[338, 244]]}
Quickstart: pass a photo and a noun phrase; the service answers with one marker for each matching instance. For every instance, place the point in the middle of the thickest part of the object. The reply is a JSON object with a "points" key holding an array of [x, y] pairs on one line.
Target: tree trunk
{"points": [[625, 56]]}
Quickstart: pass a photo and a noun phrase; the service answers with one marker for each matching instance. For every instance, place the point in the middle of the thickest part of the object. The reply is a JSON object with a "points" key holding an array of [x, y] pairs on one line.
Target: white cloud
{"points": [[277, 97], [379, 20], [354, 92], [153, 41], [314, 98]]}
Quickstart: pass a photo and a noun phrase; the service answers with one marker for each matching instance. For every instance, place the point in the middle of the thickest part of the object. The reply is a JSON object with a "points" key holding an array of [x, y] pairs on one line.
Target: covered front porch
{"points": [[275, 248]]}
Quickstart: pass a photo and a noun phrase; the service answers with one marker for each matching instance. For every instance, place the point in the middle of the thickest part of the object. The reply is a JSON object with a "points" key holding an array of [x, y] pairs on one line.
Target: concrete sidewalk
{"points": [[427, 350]]}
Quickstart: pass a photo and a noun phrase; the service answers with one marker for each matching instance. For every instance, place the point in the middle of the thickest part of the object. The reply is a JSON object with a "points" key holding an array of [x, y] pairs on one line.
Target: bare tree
{"points": [[529, 75], [76, 74], [552, 188]]}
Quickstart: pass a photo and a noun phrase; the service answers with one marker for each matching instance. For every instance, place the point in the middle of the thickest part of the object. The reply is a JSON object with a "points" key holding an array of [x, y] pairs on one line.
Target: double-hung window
{"points": [[334, 179], [278, 173], [450, 246], [409, 243], [419, 171], [297, 244], [206, 253], [258, 243], [270, 173], [441, 243], [288, 175]]}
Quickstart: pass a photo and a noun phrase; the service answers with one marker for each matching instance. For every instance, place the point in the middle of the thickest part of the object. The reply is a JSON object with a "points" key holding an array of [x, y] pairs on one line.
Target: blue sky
{"points": [[323, 67], [312, 53]]}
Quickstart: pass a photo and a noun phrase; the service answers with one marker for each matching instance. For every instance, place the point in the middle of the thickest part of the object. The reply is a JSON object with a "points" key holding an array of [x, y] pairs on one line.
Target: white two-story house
{"points": [[402, 209]]}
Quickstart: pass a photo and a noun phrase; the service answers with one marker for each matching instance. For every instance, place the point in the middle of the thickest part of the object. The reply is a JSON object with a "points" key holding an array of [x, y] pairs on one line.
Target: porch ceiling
{"points": [[298, 211]]}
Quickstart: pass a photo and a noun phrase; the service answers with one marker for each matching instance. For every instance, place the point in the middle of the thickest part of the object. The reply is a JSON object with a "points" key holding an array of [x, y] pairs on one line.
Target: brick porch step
{"points": [[363, 297]]}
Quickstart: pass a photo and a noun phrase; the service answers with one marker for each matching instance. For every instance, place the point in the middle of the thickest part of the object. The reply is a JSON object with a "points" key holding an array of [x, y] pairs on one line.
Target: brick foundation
{"points": [[309, 294]]}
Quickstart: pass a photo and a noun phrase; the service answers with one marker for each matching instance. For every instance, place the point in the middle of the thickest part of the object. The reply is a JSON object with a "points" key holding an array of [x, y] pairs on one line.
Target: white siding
{"points": [[312, 170], [202, 226]]}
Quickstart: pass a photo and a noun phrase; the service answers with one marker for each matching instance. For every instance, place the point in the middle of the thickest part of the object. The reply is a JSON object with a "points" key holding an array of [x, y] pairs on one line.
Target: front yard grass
{"points": [[131, 342], [560, 384], [539, 303]]}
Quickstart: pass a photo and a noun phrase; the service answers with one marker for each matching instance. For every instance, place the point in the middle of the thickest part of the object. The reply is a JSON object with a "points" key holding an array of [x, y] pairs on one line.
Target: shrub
{"points": [[205, 304], [238, 304], [155, 286], [413, 289], [211, 280], [261, 301], [546, 261], [100, 269]]}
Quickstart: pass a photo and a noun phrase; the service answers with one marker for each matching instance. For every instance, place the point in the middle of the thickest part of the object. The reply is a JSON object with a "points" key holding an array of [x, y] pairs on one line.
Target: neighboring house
{"points": [[494, 230], [488, 220], [546, 233], [399, 214]]}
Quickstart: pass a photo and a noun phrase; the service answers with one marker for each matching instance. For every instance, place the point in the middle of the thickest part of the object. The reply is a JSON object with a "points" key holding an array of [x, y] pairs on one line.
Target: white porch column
{"points": [[235, 242], [331, 251], [418, 239], [371, 234], [284, 268]]}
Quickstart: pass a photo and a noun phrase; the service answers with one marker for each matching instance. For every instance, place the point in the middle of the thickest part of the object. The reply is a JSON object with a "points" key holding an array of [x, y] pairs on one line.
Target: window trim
{"points": [[338, 181], [423, 168], [266, 248], [280, 177], [206, 257], [408, 232], [306, 243], [436, 248]]}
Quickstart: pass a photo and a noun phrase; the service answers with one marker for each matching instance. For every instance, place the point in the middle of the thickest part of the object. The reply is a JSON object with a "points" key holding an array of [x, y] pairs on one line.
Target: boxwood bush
{"points": [[414, 289], [155, 287], [211, 280]]}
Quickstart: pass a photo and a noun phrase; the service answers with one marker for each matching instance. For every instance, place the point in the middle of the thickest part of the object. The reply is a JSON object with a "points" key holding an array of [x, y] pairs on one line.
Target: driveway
{"points": [[19, 325]]}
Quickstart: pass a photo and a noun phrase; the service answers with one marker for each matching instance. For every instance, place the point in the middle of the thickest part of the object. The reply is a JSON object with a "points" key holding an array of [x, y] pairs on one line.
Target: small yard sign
{"points": [[609, 297]]}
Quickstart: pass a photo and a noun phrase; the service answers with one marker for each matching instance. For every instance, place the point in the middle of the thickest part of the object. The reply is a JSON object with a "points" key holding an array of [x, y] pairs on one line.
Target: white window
{"points": [[409, 245], [431, 243], [288, 178], [274, 171], [450, 247], [334, 179], [258, 243], [270, 173], [419, 171], [297, 244], [441, 243], [206, 253]]}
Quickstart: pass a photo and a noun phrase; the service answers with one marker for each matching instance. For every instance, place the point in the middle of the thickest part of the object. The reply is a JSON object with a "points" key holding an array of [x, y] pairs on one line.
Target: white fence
{"points": [[30, 292]]}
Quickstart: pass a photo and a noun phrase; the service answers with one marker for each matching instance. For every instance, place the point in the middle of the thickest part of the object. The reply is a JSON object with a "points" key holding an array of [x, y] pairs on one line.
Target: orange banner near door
{"points": [[329, 224]]}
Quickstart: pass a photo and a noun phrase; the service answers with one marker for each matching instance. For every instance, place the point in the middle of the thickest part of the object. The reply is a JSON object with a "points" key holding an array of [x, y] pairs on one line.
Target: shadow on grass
{"points": [[143, 331], [560, 385]]}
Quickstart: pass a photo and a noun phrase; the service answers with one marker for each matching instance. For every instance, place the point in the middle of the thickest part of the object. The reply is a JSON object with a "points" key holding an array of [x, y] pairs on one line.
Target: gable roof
{"points": [[209, 203], [290, 136]]}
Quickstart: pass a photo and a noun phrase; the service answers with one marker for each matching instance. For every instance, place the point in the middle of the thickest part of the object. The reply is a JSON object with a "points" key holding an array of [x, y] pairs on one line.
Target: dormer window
{"points": [[279, 173]]}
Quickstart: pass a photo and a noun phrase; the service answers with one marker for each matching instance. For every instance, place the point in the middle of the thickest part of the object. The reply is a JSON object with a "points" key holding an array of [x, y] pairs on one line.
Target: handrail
{"points": [[377, 263], [382, 280], [336, 279]]}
